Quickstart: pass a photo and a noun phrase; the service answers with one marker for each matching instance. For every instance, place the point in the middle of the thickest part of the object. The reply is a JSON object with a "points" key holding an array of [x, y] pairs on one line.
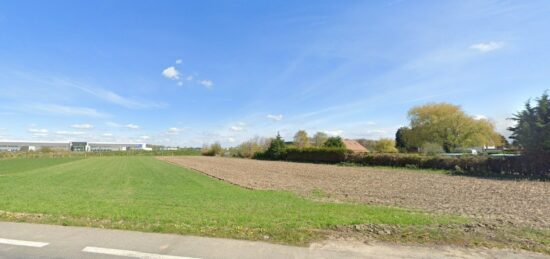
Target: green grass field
{"points": [[142, 193]]}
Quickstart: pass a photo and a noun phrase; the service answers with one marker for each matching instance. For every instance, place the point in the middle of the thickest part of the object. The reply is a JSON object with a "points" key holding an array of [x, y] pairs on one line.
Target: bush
{"points": [[334, 142], [317, 155], [385, 145], [213, 150]]}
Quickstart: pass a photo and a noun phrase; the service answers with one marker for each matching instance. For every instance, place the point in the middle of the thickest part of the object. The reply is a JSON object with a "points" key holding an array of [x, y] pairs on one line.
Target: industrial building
{"points": [[77, 146]]}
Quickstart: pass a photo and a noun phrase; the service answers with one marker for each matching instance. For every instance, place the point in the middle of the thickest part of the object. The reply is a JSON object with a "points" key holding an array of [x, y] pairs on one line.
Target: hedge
{"points": [[531, 166], [528, 166], [316, 155]]}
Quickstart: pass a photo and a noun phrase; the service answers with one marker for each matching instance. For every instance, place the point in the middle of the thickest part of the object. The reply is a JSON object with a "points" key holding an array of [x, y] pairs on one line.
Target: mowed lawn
{"points": [[142, 193]]}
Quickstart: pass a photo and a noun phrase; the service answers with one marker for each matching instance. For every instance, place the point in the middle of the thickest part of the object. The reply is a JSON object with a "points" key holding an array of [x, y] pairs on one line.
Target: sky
{"points": [[188, 73]]}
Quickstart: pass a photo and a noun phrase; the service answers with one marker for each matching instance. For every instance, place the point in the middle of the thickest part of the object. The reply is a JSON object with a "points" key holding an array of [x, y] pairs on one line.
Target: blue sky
{"points": [[192, 72]]}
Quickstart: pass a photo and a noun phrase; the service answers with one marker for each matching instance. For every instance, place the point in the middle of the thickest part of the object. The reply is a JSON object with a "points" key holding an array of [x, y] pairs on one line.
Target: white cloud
{"points": [[171, 73], [275, 117], [487, 46], [82, 126], [132, 126], [206, 83], [145, 137], [179, 61], [480, 117], [38, 132], [371, 123], [69, 133], [236, 128], [334, 132], [107, 134], [231, 140], [174, 131]]}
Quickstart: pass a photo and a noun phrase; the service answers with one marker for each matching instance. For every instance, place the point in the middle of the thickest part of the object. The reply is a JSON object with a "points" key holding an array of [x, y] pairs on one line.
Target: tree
{"points": [[212, 150], [369, 144], [301, 140], [532, 129], [385, 145], [248, 148], [276, 149], [319, 139], [334, 142], [447, 125], [401, 138]]}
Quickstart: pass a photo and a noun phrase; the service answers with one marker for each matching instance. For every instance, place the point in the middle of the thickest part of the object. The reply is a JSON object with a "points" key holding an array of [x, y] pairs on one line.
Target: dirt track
{"points": [[514, 202]]}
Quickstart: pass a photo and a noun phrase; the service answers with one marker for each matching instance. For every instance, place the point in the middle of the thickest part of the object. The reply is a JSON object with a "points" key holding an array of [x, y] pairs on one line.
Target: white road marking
{"points": [[22, 243], [129, 253]]}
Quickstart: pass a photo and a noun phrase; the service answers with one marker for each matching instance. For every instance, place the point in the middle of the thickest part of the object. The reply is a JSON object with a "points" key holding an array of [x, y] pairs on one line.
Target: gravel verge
{"points": [[521, 203]]}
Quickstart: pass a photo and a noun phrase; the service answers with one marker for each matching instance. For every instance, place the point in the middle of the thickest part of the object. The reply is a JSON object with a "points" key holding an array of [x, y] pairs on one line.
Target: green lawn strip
{"points": [[19, 165], [141, 193]]}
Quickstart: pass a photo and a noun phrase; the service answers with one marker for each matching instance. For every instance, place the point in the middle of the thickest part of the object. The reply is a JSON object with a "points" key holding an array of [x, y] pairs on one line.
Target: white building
{"points": [[15, 146]]}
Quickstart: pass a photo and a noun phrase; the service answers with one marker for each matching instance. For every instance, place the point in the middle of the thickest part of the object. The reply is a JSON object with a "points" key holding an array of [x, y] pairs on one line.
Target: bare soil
{"points": [[514, 202]]}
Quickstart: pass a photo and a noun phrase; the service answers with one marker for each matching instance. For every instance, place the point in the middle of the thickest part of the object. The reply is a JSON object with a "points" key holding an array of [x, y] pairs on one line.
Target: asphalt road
{"points": [[21, 240]]}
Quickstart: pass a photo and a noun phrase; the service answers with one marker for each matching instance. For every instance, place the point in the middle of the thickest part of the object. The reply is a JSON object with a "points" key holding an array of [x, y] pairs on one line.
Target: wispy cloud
{"points": [[115, 98], [38, 132], [174, 131], [206, 83], [334, 132], [132, 126], [82, 126], [236, 128], [487, 46], [62, 110], [275, 117], [171, 73], [69, 133], [179, 61]]}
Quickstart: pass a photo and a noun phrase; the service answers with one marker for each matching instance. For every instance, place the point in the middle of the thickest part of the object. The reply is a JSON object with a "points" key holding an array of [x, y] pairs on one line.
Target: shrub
{"points": [[385, 145], [334, 142], [212, 150]]}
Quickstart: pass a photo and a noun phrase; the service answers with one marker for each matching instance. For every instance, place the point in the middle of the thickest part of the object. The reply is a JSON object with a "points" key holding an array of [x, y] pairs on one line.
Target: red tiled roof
{"points": [[354, 146]]}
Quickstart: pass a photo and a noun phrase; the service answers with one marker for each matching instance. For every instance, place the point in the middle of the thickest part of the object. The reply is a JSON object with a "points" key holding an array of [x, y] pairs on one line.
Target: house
{"points": [[354, 146]]}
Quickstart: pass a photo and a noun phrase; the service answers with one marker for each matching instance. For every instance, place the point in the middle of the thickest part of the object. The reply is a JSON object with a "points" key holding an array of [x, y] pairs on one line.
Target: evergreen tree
{"points": [[532, 129], [277, 148]]}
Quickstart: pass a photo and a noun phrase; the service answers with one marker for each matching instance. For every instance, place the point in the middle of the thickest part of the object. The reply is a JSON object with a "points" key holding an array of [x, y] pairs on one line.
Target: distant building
{"points": [[354, 146], [76, 146]]}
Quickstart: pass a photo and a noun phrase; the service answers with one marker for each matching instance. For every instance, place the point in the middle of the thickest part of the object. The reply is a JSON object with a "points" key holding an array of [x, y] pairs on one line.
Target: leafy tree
{"points": [[447, 125], [385, 145], [301, 140], [369, 144], [277, 149], [401, 138], [248, 148], [432, 149], [334, 142], [319, 139], [532, 129]]}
